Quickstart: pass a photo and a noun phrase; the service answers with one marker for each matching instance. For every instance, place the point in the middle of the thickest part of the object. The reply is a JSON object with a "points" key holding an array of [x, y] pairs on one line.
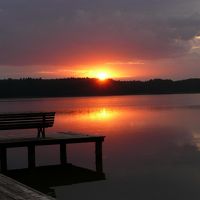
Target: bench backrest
{"points": [[26, 120]]}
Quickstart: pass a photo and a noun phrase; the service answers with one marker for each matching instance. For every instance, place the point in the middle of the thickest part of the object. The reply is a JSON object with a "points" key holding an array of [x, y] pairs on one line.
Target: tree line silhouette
{"points": [[29, 87]]}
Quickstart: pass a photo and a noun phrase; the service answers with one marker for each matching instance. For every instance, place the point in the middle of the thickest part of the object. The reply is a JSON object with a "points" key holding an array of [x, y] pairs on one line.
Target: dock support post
{"points": [[31, 156], [99, 160], [3, 157], [63, 154]]}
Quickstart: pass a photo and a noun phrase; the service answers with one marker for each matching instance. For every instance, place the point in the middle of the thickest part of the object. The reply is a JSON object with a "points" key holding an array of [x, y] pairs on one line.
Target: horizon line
{"points": [[113, 79]]}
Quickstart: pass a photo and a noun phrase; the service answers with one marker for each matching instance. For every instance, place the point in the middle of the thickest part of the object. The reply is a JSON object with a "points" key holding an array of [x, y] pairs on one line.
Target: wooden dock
{"points": [[11, 189], [61, 139]]}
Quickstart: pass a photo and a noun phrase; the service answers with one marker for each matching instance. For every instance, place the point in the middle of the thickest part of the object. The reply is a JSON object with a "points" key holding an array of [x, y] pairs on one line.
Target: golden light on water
{"points": [[101, 115]]}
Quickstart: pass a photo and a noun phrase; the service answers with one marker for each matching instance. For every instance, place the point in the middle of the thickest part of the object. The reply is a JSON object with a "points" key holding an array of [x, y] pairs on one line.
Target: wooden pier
{"points": [[61, 138], [11, 189]]}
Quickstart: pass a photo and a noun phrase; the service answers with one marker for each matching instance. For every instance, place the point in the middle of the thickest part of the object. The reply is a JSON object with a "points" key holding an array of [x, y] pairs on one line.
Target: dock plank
{"points": [[11, 189], [68, 137]]}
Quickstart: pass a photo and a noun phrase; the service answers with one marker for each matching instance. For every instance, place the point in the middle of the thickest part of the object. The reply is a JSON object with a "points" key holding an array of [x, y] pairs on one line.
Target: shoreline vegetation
{"points": [[77, 87]]}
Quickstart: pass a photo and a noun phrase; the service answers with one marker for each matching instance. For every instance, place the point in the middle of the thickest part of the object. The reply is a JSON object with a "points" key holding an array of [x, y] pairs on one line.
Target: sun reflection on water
{"points": [[102, 114], [87, 120]]}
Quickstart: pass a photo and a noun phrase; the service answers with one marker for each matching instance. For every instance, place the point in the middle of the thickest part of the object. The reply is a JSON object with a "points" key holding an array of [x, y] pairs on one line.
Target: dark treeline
{"points": [[28, 87]]}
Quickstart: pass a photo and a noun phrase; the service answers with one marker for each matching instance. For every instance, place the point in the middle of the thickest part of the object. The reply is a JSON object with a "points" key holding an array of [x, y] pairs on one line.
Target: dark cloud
{"points": [[46, 32]]}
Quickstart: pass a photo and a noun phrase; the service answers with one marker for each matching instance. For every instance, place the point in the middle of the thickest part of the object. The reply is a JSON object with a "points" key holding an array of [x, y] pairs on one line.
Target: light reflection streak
{"points": [[92, 120], [101, 115]]}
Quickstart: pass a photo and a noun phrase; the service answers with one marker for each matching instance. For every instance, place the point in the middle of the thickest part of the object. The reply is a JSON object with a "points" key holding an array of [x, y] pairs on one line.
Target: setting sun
{"points": [[102, 76], [101, 73]]}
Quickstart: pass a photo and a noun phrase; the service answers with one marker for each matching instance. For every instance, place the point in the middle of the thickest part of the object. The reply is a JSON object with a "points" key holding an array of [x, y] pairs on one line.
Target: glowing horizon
{"points": [[81, 39]]}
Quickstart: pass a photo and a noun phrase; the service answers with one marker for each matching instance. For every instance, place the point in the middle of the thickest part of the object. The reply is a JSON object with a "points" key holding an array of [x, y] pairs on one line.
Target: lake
{"points": [[151, 149]]}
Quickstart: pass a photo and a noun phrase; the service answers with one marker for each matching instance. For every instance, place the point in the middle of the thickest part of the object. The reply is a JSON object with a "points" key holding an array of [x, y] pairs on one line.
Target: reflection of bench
{"points": [[40, 121]]}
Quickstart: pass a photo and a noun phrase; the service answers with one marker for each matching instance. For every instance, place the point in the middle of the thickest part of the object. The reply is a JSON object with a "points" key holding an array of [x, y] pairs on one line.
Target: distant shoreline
{"points": [[88, 87], [49, 97]]}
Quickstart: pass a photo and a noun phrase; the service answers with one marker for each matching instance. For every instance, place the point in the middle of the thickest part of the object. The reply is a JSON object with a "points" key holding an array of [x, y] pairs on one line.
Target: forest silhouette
{"points": [[68, 87]]}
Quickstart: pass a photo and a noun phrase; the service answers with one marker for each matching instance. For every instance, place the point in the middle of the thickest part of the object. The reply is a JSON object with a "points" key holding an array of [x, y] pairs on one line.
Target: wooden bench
{"points": [[38, 121]]}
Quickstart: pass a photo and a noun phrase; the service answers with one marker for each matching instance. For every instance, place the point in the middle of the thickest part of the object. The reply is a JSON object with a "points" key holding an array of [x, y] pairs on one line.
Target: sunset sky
{"points": [[127, 39]]}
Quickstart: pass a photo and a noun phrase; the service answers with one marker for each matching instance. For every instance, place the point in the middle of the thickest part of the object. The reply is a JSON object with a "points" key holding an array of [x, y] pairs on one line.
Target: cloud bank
{"points": [[59, 32]]}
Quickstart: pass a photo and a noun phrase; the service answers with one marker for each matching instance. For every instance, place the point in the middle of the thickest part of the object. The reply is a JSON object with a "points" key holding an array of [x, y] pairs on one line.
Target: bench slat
{"points": [[26, 115], [26, 121], [24, 127], [27, 124]]}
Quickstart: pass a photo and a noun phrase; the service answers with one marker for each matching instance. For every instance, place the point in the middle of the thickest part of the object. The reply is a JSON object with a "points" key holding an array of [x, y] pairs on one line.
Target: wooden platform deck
{"points": [[66, 137], [61, 138], [11, 189]]}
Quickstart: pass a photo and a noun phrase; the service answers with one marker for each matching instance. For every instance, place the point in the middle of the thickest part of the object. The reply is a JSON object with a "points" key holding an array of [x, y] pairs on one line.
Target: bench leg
{"points": [[3, 157], [63, 154], [99, 160], [31, 156], [38, 133], [41, 132]]}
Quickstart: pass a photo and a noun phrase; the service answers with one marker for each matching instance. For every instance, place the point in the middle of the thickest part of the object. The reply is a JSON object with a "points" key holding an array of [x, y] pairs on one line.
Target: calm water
{"points": [[151, 150]]}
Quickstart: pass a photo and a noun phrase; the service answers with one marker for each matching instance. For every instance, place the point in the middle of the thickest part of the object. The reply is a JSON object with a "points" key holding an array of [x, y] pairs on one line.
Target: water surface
{"points": [[151, 150]]}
